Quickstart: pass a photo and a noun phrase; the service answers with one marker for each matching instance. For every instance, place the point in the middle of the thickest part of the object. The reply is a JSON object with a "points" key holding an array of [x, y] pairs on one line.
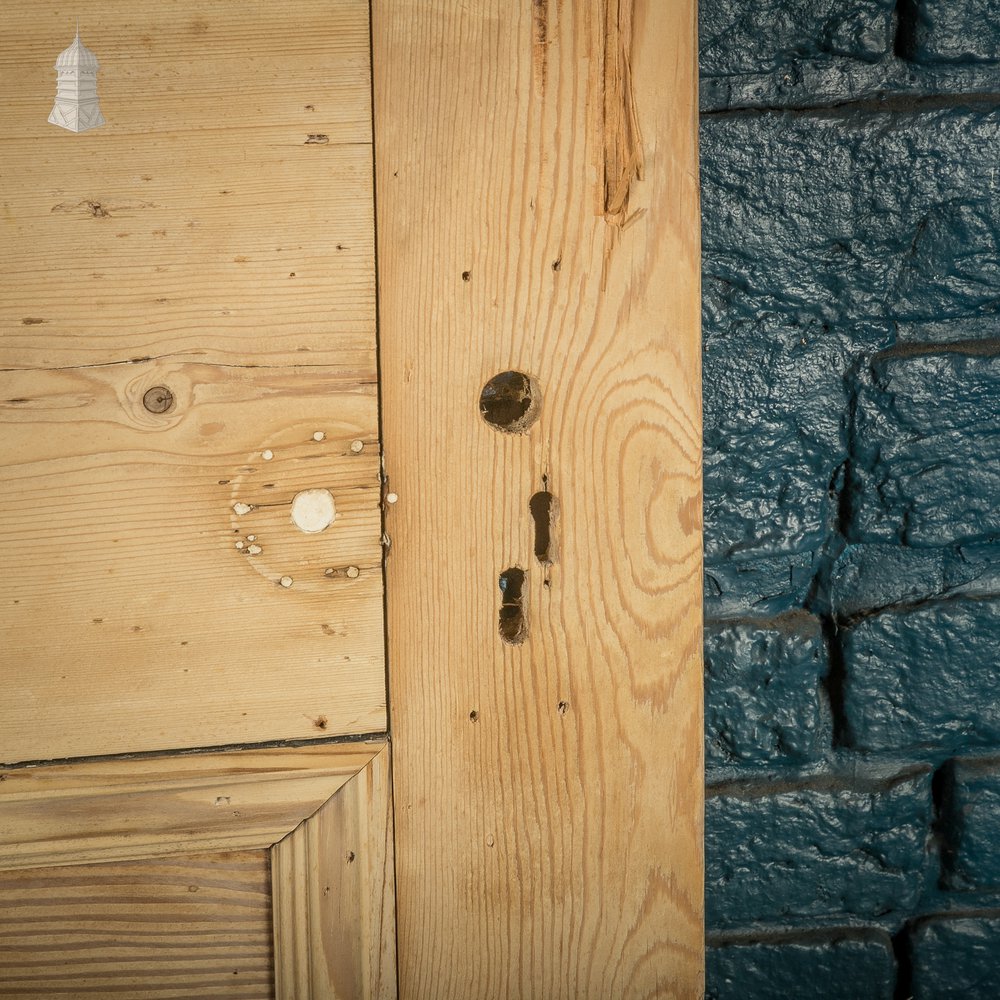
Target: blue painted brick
{"points": [[928, 469], [737, 37], [874, 577], [924, 677], [796, 54], [766, 587], [774, 400], [844, 965], [762, 691], [848, 217], [970, 825], [821, 233], [956, 958], [953, 31], [817, 849], [983, 324]]}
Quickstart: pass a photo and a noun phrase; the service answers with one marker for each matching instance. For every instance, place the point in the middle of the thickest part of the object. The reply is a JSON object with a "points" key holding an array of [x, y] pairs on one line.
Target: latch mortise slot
{"points": [[513, 624]]}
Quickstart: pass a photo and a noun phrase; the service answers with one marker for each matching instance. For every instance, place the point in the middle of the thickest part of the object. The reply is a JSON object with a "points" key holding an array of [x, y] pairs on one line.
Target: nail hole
{"points": [[510, 402], [513, 627], [466, 276], [563, 707], [543, 511], [473, 716], [159, 399]]}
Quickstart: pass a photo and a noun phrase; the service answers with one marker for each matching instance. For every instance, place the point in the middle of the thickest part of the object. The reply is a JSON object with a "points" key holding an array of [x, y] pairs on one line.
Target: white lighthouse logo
{"points": [[76, 106]]}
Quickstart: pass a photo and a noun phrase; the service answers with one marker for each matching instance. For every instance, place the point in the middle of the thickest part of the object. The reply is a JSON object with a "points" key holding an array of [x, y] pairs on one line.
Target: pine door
{"points": [[244, 512]]}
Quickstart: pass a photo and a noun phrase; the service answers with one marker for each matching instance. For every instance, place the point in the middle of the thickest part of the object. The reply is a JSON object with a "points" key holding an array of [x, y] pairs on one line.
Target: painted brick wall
{"points": [[851, 214]]}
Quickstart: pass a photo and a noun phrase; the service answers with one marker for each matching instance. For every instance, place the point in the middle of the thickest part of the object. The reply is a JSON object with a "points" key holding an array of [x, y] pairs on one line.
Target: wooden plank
{"points": [[234, 246], [195, 927], [224, 212], [107, 810], [141, 609], [538, 211], [334, 919], [214, 237], [178, 67]]}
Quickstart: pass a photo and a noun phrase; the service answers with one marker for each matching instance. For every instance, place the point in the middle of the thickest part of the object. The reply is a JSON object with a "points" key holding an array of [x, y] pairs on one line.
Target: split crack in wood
{"points": [[623, 149]]}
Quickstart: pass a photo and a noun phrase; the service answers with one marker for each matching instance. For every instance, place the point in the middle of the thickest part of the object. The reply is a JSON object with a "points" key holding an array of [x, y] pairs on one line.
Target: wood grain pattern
{"points": [[195, 927], [183, 67], [548, 795], [334, 918], [66, 814], [215, 237], [224, 213], [138, 603]]}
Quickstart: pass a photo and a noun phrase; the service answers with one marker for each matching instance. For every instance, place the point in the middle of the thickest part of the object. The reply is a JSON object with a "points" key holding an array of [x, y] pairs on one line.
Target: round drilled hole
{"points": [[510, 402]]}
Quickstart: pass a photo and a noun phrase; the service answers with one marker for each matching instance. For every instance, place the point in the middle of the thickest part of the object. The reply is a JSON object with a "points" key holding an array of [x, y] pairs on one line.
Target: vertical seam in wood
{"points": [[391, 869]]}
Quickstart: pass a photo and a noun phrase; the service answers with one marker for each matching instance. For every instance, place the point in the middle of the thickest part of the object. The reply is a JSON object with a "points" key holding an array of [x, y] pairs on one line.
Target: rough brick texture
{"points": [[762, 691], [919, 677], [815, 851], [767, 587], [850, 216], [927, 465], [831, 966], [794, 54], [731, 40], [773, 436], [851, 230], [821, 233], [877, 576], [970, 825], [952, 31], [956, 959]]}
